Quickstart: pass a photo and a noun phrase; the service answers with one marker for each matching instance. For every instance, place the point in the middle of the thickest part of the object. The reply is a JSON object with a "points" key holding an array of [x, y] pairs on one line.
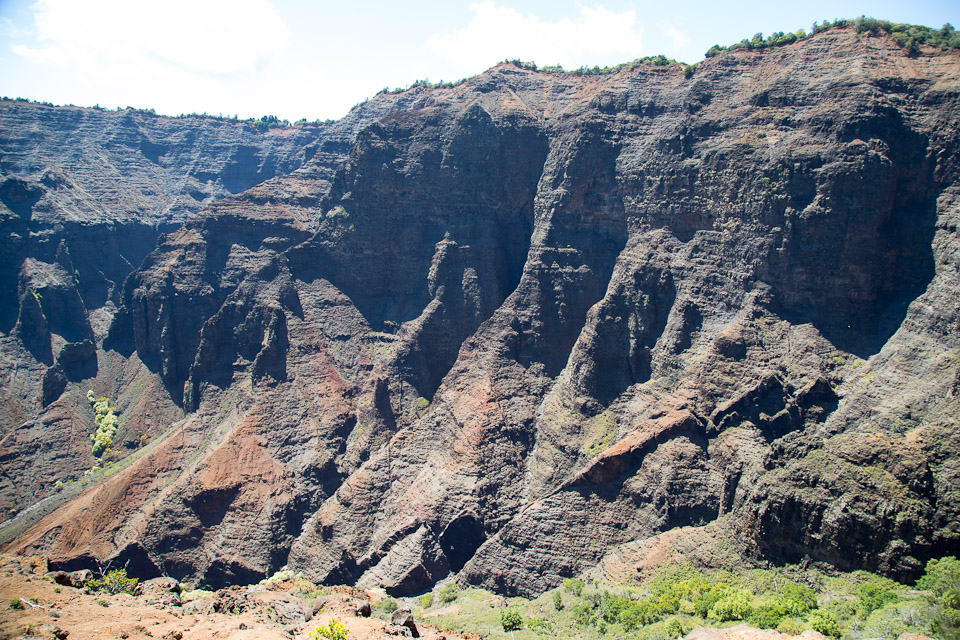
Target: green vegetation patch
{"points": [[678, 598], [113, 582], [908, 36]]}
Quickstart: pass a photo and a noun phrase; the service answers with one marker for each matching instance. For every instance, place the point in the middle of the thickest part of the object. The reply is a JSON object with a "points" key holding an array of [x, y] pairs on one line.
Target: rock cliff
{"points": [[512, 330]]}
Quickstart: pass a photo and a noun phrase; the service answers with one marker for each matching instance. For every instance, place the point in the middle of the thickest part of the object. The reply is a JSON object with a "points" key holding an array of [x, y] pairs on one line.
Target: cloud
{"points": [[125, 37], [495, 33], [679, 38], [9, 30]]}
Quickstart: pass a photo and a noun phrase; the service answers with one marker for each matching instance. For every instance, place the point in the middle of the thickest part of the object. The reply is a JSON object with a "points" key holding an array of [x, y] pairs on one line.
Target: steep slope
{"points": [[84, 196], [535, 320]]}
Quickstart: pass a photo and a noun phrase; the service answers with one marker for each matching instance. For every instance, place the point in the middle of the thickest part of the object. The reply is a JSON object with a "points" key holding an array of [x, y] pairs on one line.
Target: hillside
{"points": [[514, 330]]}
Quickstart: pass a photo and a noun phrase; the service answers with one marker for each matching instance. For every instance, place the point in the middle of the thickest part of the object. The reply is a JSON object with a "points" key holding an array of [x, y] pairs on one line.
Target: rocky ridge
{"points": [[527, 326]]}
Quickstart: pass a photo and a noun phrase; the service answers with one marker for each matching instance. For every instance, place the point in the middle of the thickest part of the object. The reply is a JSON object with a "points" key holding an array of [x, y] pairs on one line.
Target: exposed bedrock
{"points": [[530, 325]]}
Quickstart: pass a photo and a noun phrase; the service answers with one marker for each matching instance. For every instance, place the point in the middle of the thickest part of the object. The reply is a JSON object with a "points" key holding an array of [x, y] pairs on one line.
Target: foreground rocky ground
{"points": [[272, 612], [37, 603]]}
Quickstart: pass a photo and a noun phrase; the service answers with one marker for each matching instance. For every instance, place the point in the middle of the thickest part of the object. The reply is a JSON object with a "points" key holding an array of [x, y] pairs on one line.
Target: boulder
{"points": [[403, 617], [162, 591]]}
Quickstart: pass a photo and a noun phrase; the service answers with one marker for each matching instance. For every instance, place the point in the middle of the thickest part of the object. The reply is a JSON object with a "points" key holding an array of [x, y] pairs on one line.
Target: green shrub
{"points": [[707, 596], [195, 594], [557, 601], [767, 615], [875, 595], [790, 627], [574, 586], [539, 625], [449, 593], [15, 603], [420, 407], [280, 576], [510, 620], [886, 622], [942, 579], [426, 601], [388, 605], [611, 607], [735, 606], [798, 599], [106, 421], [583, 614], [113, 582], [825, 622], [676, 629], [333, 631]]}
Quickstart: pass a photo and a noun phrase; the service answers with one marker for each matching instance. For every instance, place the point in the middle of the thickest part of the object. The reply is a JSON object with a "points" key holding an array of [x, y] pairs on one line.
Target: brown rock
{"points": [[404, 618], [362, 608], [162, 591], [75, 579], [498, 330]]}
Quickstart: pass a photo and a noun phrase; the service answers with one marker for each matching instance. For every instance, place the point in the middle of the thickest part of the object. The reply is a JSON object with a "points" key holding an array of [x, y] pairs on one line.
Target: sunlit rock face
{"points": [[511, 330]]}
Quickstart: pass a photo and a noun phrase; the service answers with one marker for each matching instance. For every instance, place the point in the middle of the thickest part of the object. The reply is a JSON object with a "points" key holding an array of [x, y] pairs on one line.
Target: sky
{"points": [[316, 59]]}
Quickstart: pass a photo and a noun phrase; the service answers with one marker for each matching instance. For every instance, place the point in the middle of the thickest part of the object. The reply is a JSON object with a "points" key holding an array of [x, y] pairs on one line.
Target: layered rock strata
{"points": [[532, 322]]}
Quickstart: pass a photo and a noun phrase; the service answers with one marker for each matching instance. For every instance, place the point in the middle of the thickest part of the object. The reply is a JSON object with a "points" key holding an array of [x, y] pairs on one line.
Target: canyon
{"points": [[527, 327]]}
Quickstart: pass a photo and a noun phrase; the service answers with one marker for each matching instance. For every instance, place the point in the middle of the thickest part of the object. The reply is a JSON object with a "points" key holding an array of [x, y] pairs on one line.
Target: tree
{"points": [[510, 620], [825, 622]]}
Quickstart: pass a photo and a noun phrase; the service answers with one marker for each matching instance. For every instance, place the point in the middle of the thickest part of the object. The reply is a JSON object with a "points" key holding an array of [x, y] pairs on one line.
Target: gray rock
{"points": [[362, 607], [403, 617], [161, 591]]}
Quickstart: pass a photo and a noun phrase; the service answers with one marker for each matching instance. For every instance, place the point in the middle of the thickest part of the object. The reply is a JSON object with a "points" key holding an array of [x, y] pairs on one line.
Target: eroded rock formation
{"points": [[518, 328]]}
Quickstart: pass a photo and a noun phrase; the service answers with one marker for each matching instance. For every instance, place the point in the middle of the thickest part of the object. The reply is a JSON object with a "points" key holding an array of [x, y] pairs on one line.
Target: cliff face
{"points": [[527, 326], [85, 196]]}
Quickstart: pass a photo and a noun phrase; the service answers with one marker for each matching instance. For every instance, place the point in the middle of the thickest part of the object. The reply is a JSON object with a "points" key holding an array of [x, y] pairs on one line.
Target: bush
{"points": [[195, 594], [942, 579], [15, 604], [707, 597], [539, 625], [333, 631], [886, 622], [574, 586], [510, 620], [797, 598], [420, 407], [426, 601], [557, 601], [875, 595], [790, 627], [106, 421], [113, 582], [449, 593], [583, 614], [736, 606], [388, 605], [768, 615], [676, 629], [825, 622]]}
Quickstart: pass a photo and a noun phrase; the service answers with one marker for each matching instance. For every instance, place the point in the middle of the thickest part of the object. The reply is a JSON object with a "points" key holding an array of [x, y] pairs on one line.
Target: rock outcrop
{"points": [[527, 324]]}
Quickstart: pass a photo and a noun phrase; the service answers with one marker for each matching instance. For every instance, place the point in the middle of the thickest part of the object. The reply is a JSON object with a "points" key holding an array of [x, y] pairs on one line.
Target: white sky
{"points": [[316, 59]]}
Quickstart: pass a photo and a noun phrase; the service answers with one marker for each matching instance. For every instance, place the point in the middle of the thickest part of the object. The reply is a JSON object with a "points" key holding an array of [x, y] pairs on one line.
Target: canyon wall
{"points": [[513, 330]]}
